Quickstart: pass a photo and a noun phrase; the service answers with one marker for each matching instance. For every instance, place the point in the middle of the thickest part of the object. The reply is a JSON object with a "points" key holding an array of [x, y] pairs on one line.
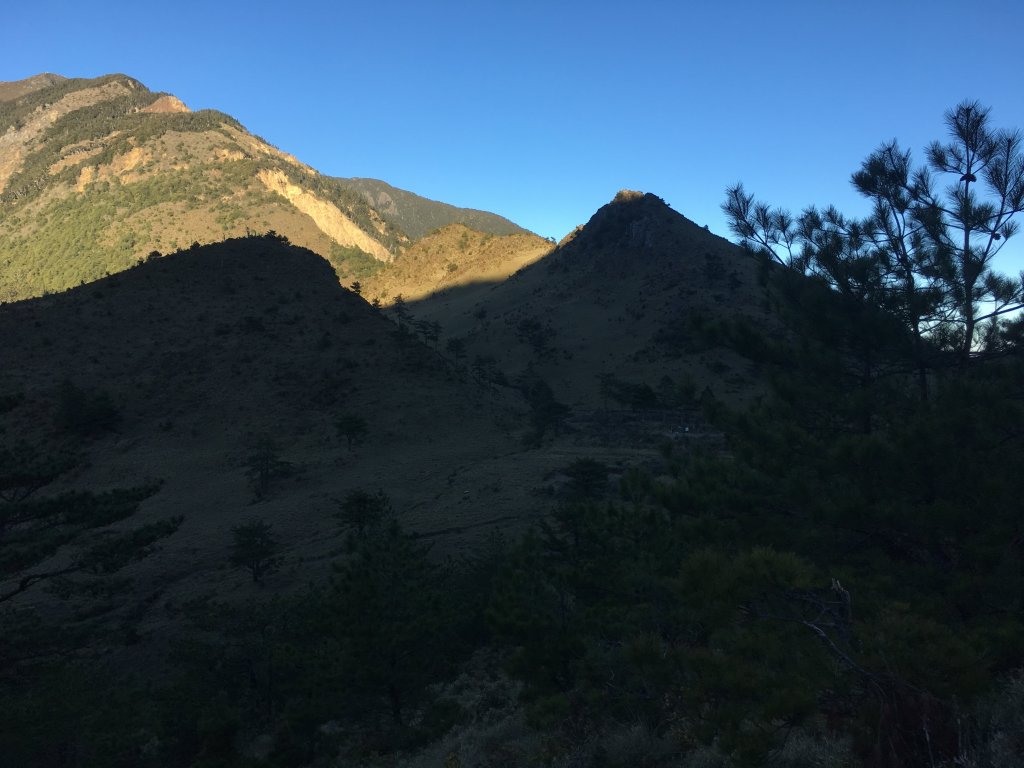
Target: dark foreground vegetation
{"points": [[841, 586], [821, 589]]}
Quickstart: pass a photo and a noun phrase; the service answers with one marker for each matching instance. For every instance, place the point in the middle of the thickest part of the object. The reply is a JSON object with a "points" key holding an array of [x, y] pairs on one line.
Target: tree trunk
{"points": [[395, 697]]}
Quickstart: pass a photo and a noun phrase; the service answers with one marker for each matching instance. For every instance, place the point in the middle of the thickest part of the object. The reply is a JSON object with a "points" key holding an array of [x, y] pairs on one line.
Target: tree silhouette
{"points": [[922, 253], [430, 330], [537, 335], [387, 597], [264, 465], [85, 413], [969, 225], [255, 547], [352, 427], [33, 529], [547, 414], [456, 347], [401, 310], [361, 510]]}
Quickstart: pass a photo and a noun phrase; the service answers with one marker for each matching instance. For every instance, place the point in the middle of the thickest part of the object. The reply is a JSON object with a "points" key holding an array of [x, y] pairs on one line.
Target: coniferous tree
{"points": [[387, 618], [923, 254], [361, 510], [352, 427], [255, 548], [264, 465]]}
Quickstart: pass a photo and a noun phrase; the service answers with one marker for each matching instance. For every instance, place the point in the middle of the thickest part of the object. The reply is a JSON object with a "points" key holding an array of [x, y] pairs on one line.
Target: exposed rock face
{"points": [[331, 221], [16, 144], [167, 104]]}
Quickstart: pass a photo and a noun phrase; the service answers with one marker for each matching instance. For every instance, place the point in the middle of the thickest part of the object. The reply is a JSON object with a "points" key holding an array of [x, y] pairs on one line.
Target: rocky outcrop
{"points": [[328, 218]]}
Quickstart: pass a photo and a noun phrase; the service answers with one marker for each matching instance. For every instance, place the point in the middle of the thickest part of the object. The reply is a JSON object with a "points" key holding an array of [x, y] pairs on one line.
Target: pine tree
{"points": [[255, 548], [387, 617]]}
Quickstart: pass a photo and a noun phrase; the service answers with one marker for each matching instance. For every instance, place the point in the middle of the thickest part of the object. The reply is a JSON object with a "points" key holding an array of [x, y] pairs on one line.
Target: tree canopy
{"points": [[926, 250]]}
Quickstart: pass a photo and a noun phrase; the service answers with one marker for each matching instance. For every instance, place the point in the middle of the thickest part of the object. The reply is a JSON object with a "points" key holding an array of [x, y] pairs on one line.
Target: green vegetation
{"points": [[79, 237], [389, 617], [417, 216], [456, 347], [71, 545], [97, 122], [538, 335], [70, 244], [351, 203], [819, 572], [923, 256], [390, 624], [14, 113], [547, 414], [350, 261], [639, 396], [820, 590]]}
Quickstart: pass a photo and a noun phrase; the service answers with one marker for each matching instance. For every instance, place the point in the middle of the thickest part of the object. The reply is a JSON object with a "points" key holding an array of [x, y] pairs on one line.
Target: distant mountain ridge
{"points": [[98, 173], [417, 216], [18, 88]]}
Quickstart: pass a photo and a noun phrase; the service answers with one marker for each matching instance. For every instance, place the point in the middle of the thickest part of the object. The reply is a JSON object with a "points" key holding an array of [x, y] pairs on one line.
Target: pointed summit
{"points": [[634, 226], [615, 298]]}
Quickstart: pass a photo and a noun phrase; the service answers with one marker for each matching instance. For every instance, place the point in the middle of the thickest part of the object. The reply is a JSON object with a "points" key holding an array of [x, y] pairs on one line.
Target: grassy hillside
{"points": [[453, 256]]}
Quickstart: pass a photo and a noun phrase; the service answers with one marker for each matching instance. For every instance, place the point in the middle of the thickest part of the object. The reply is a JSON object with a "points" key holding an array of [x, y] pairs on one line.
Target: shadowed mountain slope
{"points": [[203, 352], [638, 294]]}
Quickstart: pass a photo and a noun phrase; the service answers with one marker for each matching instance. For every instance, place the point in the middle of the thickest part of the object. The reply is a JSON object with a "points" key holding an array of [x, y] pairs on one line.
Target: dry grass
{"points": [[451, 258]]}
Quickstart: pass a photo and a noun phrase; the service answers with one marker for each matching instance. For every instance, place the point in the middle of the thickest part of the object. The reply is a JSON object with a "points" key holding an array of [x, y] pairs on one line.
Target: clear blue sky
{"points": [[541, 111]]}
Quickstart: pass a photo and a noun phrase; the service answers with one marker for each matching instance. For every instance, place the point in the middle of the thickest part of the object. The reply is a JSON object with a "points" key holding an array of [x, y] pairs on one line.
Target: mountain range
{"points": [[211, 345], [98, 173], [233, 334], [310, 471]]}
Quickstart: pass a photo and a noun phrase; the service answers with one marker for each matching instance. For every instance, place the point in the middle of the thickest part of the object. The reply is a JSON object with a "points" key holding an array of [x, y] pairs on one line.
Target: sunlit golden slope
{"points": [[454, 256]]}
